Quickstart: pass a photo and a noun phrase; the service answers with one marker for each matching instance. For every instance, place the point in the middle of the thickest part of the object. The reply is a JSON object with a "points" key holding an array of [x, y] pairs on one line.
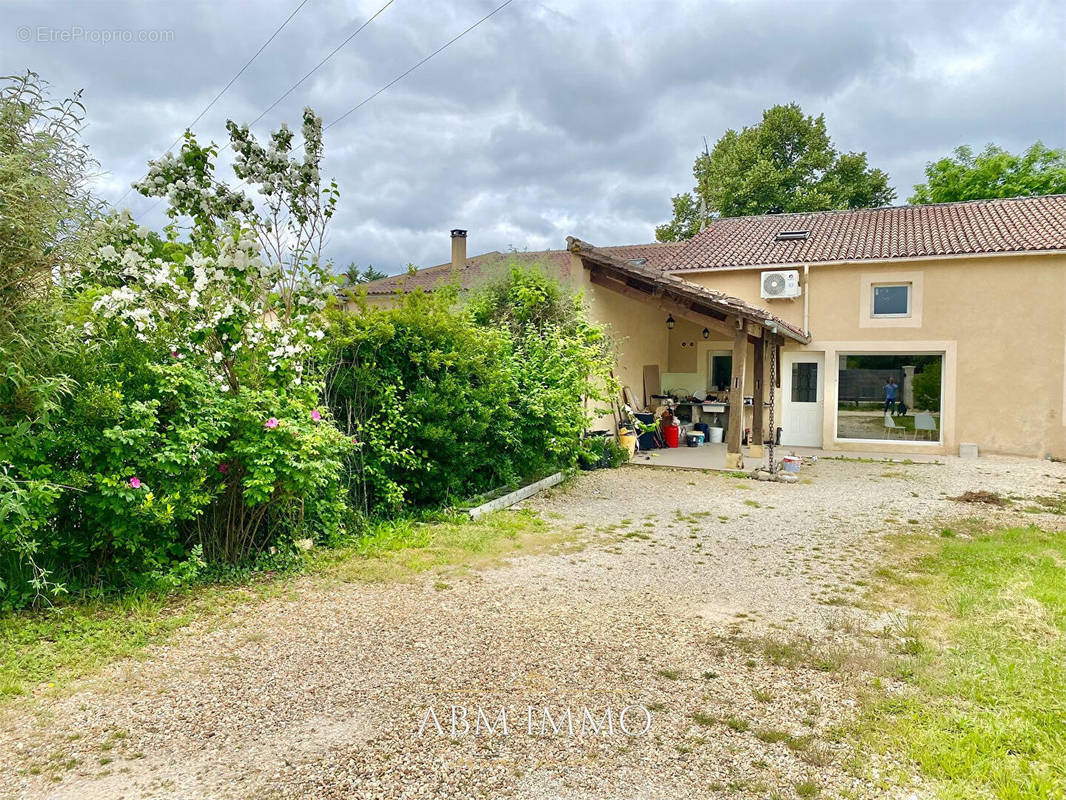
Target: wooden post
{"points": [[758, 381], [734, 459]]}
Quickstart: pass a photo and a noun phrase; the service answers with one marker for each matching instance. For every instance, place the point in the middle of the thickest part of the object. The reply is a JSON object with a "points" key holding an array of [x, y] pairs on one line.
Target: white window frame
{"points": [[909, 286], [897, 349]]}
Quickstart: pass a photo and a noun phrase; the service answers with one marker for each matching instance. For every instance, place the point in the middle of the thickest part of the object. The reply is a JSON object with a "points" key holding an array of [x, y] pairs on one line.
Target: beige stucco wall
{"points": [[1000, 322], [638, 329]]}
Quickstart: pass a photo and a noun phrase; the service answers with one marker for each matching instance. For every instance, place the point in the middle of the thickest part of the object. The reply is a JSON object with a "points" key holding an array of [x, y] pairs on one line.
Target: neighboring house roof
{"points": [[974, 227], [482, 267], [659, 285]]}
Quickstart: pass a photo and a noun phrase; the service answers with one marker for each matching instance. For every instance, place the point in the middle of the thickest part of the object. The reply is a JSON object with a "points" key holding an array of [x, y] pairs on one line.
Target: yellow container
{"points": [[628, 440]]}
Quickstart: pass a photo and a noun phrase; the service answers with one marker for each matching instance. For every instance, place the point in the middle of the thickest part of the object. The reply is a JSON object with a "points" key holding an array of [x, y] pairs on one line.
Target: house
{"points": [[961, 305]]}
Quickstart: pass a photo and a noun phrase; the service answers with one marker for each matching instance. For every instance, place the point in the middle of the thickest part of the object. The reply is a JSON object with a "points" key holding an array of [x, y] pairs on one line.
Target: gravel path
{"points": [[322, 693]]}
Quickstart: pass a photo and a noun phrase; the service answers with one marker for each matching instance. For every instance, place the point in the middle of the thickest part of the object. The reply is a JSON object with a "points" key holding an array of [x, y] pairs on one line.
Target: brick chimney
{"points": [[458, 248]]}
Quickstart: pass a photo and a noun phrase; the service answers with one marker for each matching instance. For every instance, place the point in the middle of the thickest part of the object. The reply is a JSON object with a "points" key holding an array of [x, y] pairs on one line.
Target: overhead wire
{"points": [[381, 90], [232, 80]]}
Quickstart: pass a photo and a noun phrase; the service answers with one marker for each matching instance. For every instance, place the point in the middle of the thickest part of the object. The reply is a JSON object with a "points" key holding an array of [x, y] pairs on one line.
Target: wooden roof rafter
{"points": [[713, 309]]}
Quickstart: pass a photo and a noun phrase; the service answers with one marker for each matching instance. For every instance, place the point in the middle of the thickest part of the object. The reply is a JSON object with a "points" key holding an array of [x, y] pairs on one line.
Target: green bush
{"points": [[427, 396], [170, 403], [144, 469], [447, 401], [927, 387]]}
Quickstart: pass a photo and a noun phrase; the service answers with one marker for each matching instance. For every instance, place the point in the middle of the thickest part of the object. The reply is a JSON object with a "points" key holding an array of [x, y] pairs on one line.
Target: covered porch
{"points": [[753, 338]]}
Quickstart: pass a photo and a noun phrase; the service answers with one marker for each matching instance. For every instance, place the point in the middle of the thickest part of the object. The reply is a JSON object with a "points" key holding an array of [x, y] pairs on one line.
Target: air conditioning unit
{"points": [[781, 283]]}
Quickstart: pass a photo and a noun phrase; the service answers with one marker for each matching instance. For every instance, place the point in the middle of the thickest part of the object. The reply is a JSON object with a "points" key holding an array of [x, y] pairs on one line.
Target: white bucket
{"points": [[791, 463], [716, 434]]}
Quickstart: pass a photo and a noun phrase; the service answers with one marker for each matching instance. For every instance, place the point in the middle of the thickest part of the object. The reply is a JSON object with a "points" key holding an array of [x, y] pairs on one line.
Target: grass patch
{"points": [[57, 645], [402, 550], [985, 714]]}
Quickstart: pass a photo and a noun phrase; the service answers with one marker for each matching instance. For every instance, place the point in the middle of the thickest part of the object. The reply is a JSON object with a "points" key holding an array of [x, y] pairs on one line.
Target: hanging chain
{"points": [[773, 384]]}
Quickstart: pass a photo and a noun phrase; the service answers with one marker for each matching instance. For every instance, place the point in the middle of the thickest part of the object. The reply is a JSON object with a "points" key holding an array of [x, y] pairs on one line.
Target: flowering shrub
{"points": [[189, 408], [220, 309], [195, 433]]}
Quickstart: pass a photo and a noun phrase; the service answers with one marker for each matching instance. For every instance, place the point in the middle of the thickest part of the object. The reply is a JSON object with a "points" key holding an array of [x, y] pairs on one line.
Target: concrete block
{"points": [[509, 500], [967, 450], [734, 461]]}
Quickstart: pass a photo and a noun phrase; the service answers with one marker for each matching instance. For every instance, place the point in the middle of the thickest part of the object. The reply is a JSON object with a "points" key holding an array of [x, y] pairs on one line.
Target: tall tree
{"points": [[992, 173], [356, 275], [45, 203], [785, 163]]}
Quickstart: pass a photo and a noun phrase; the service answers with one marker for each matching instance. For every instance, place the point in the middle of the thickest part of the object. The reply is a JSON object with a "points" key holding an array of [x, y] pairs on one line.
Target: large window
{"points": [[892, 300], [889, 396]]}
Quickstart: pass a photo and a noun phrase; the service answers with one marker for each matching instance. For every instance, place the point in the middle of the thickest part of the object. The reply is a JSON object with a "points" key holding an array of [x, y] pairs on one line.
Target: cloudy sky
{"points": [[551, 118]]}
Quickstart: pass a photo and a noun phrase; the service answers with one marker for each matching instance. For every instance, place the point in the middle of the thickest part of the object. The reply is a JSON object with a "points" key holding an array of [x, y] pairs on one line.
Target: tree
{"points": [[783, 164], [45, 204], [992, 173], [356, 275]]}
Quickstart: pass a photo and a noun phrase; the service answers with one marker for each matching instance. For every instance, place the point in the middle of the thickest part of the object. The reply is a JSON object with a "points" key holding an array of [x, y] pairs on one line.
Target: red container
{"points": [[673, 435]]}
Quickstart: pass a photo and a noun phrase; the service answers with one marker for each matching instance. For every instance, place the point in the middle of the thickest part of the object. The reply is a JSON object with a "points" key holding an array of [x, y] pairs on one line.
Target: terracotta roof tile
{"points": [[482, 267], [970, 228]]}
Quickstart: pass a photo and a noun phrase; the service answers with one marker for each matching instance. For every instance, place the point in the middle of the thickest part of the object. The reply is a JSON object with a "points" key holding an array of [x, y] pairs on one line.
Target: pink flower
{"points": [[173, 353], [135, 483], [223, 468], [315, 415], [271, 423]]}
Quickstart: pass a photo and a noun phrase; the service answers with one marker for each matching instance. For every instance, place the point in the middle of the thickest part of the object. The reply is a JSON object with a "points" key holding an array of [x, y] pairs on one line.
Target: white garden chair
{"points": [[924, 421], [890, 426]]}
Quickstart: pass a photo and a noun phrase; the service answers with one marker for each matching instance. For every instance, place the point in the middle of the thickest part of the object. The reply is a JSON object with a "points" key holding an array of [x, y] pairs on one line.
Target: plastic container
{"points": [[791, 463], [628, 440], [694, 438], [673, 435], [716, 435], [646, 440]]}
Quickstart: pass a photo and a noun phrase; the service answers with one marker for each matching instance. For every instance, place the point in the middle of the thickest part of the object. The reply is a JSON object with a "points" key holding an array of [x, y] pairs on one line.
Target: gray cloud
{"points": [[552, 118]]}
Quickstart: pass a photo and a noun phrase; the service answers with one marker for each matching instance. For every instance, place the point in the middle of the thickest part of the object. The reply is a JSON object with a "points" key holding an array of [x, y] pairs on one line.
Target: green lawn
{"points": [[985, 657], [47, 649]]}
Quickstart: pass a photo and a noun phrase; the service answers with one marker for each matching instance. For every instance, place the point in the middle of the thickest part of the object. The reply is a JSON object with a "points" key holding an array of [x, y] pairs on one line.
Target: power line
{"points": [[246, 65], [403, 75], [233, 80], [387, 86], [292, 88], [320, 63]]}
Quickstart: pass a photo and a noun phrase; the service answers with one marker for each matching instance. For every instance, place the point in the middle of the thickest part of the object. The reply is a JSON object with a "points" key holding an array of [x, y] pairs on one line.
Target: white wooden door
{"points": [[803, 387]]}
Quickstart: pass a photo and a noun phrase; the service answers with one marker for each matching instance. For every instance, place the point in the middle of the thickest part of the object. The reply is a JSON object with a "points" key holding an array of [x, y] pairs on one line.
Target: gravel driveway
{"points": [[323, 693]]}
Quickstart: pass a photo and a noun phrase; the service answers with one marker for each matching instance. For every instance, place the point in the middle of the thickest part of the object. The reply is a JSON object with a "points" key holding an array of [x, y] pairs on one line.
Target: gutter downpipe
{"points": [[806, 300]]}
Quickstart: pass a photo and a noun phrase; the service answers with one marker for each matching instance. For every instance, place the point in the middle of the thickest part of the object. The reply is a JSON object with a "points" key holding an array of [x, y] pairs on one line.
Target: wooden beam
{"points": [[668, 306], [736, 398], [759, 374]]}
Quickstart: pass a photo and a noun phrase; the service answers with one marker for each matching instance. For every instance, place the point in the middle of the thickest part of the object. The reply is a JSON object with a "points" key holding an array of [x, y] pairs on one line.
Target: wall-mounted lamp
{"points": [[706, 334], [670, 322]]}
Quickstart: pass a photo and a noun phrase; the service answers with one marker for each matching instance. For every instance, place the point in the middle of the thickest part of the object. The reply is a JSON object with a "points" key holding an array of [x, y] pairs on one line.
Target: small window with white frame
{"points": [[891, 300]]}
